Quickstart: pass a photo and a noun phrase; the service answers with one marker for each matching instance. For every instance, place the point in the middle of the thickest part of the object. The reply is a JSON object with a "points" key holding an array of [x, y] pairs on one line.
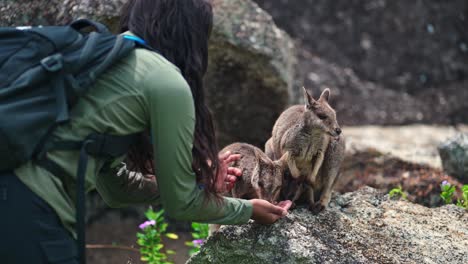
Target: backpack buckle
{"points": [[53, 63]]}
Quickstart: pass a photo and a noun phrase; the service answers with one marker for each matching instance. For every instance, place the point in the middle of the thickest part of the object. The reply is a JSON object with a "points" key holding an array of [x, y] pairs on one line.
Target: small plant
{"points": [[150, 238], [199, 235], [398, 193], [447, 193], [463, 203]]}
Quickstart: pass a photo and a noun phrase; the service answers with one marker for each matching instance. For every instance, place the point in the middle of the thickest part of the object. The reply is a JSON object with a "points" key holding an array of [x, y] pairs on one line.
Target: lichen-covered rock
{"points": [[361, 227], [250, 75], [454, 155]]}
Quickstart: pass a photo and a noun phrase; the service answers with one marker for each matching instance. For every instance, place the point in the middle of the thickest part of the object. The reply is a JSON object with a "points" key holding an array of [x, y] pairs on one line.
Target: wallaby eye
{"points": [[322, 116]]}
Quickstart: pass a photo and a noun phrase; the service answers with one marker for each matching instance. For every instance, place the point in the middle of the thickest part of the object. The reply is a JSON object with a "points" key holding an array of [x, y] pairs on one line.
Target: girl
{"points": [[160, 95]]}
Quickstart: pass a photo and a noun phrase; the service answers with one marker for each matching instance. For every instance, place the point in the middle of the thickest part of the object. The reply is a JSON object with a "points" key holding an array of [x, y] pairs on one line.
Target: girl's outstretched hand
{"points": [[227, 175], [265, 212]]}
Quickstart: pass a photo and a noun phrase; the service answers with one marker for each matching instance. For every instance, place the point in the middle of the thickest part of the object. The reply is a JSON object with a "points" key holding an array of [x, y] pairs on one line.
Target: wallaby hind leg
{"points": [[329, 172]]}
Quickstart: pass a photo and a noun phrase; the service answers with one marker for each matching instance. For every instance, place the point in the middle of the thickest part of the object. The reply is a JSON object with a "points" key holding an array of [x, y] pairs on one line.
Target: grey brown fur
{"points": [[311, 135], [261, 177]]}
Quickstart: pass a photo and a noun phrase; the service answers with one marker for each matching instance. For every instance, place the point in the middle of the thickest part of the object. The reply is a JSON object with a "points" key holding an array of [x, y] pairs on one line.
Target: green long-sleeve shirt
{"points": [[142, 91]]}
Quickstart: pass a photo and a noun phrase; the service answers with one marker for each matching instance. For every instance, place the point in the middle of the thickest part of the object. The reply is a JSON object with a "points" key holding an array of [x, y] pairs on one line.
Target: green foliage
{"points": [[447, 192], [150, 241], [463, 203], [398, 193], [199, 235]]}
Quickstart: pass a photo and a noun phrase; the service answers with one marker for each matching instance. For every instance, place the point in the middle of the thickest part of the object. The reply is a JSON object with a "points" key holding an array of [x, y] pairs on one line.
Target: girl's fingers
{"points": [[285, 204], [234, 171], [224, 155], [231, 158], [230, 178]]}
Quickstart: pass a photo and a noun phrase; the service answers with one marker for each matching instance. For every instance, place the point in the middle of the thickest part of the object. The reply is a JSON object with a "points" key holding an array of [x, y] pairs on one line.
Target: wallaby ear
{"points": [[325, 95], [309, 101]]}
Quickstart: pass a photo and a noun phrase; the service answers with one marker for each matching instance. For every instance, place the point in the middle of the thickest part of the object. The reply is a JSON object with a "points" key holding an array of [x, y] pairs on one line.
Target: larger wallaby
{"points": [[311, 135]]}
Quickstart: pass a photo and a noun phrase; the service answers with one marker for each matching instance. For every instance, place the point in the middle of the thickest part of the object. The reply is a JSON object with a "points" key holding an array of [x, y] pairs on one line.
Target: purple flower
{"points": [[146, 224], [198, 242], [445, 183]]}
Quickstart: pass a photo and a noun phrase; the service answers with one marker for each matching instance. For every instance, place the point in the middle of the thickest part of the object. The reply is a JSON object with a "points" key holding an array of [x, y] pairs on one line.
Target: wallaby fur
{"points": [[311, 135], [261, 177]]}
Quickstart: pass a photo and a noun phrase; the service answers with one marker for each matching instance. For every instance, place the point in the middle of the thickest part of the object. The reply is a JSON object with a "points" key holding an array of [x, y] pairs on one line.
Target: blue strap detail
{"points": [[136, 39]]}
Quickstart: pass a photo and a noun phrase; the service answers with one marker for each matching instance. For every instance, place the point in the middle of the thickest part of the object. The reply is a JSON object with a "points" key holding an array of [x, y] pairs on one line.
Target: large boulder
{"points": [[454, 155], [250, 77], [361, 227], [251, 68]]}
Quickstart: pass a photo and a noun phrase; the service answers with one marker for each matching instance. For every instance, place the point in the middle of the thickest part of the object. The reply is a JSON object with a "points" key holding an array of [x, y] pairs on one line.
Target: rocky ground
{"points": [[388, 157], [359, 227]]}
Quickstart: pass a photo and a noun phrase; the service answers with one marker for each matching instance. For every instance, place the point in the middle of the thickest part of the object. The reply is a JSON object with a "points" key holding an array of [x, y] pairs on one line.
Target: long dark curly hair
{"points": [[179, 30]]}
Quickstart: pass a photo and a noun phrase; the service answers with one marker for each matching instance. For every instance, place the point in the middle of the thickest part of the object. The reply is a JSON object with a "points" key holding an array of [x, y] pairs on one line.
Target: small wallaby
{"points": [[261, 177], [311, 135]]}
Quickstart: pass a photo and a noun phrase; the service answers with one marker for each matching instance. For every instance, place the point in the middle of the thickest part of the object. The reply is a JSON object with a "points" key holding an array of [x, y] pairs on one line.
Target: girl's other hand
{"points": [[265, 212]]}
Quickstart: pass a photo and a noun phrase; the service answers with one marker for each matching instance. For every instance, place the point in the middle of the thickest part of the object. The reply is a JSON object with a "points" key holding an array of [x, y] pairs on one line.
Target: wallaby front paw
{"points": [[316, 208]]}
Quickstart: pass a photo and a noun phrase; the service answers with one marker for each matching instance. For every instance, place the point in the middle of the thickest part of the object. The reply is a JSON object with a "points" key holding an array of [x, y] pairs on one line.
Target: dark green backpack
{"points": [[43, 72]]}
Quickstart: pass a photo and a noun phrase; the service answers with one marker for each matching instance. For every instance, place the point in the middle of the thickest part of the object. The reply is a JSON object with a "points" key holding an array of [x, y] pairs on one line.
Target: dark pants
{"points": [[30, 230]]}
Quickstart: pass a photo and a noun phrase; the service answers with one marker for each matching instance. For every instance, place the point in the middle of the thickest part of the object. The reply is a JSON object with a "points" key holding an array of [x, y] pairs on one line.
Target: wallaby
{"points": [[261, 177], [311, 135]]}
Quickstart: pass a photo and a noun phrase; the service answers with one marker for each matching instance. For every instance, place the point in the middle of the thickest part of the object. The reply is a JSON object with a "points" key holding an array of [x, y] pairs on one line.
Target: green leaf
{"points": [[159, 215], [193, 251], [172, 236], [170, 252], [141, 242], [159, 246], [189, 243], [150, 214], [398, 192]]}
